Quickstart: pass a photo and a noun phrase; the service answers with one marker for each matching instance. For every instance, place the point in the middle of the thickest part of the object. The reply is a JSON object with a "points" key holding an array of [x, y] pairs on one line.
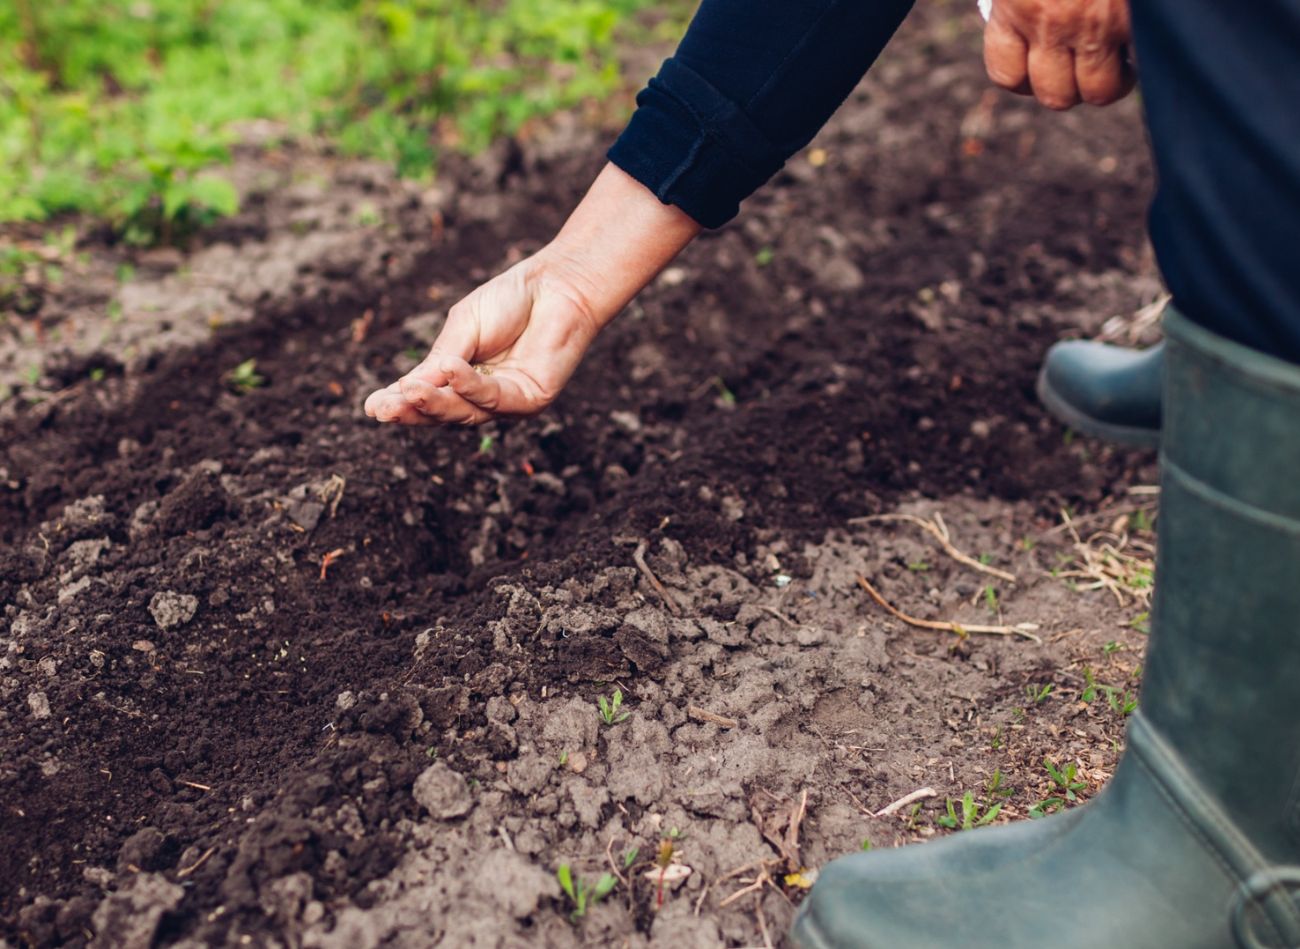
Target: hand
{"points": [[507, 349], [1062, 52], [510, 346]]}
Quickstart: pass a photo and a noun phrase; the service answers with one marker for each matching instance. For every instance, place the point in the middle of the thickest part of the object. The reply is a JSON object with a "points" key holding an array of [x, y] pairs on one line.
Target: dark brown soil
{"points": [[208, 736]]}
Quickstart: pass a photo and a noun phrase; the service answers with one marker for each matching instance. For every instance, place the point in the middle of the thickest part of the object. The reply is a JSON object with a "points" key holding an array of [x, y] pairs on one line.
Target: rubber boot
{"points": [[1105, 391], [1195, 841]]}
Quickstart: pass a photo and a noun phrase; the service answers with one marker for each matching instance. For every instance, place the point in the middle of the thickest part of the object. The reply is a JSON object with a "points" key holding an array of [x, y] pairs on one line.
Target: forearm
{"points": [[616, 241], [750, 85]]}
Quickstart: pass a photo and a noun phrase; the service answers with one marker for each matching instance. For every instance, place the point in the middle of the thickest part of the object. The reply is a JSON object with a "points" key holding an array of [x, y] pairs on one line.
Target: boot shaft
{"points": [[1223, 678]]}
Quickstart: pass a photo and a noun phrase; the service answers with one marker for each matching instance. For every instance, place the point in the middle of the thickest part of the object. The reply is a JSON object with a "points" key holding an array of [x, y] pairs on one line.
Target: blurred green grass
{"points": [[125, 109]]}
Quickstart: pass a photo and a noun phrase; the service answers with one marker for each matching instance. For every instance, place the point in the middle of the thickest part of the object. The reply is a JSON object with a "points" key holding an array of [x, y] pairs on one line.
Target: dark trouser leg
{"points": [[1221, 87]]}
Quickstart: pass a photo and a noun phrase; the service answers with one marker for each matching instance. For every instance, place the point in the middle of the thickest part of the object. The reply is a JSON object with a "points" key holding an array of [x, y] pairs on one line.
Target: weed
{"points": [[918, 566], [914, 816], [866, 845], [973, 814], [485, 445], [996, 743], [1111, 648], [1140, 520], [1064, 778], [610, 712], [582, 896], [629, 858], [244, 377], [1142, 623], [1037, 694], [994, 788], [991, 599], [564, 757]]}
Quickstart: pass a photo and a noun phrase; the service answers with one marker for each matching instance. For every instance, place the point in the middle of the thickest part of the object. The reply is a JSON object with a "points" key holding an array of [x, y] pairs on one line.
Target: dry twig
{"points": [[704, 715], [920, 794], [638, 557], [1023, 630], [939, 531]]}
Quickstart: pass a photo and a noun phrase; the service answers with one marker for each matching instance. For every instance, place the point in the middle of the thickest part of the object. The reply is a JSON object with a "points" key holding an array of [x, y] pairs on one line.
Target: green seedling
{"points": [[1122, 705], [1038, 694], [986, 559], [1142, 623], [485, 445], [973, 814], [610, 709], [1064, 778], [564, 757], [994, 788], [765, 256], [991, 598], [582, 896], [97, 374], [866, 845], [1111, 648], [1140, 520], [728, 397], [914, 816], [918, 566], [996, 743], [629, 858], [244, 377], [1027, 543]]}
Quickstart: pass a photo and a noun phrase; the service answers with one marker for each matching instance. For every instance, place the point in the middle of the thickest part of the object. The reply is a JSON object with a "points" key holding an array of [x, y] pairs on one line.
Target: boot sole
{"points": [[1133, 435]]}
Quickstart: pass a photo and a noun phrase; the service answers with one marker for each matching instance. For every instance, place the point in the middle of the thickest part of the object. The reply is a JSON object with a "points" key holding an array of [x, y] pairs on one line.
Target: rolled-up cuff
{"points": [[694, 148]]}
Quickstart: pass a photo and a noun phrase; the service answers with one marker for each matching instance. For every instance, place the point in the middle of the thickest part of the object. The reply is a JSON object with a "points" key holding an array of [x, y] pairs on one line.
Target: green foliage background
{"points": [[122, 108]]}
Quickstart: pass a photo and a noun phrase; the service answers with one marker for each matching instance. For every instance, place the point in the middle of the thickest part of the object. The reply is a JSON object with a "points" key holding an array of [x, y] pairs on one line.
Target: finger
{"points": [[480, 389], [1101, 74], [459, 337], [388, 406], [1051, 74], [1006, 55]]}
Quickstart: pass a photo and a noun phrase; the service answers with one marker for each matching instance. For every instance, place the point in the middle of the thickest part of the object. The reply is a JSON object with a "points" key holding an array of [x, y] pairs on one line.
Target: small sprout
{"points": [[564, 757], [994, 788], [866, 845], [1064, 778], [1111, 648], [918, 566], [991, 598], [1089, 686], [1142, 623], [244, 377], [1140, 520], [582, 896], [432, 752], [97, 374], [1038, 694], [986, 559], [629, 858], [610, 712], [1027, 543], [973, 814], [728, 397], [914, 816], [764, 256], [485, 445], [996, 743]]}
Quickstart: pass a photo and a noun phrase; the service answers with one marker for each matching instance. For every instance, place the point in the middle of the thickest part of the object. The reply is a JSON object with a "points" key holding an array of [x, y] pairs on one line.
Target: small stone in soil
{"points": [[442, 792], [171, 610]]}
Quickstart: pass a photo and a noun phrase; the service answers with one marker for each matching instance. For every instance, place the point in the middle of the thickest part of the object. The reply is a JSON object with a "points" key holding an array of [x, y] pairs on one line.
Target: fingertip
{"points": [[418, 392]]}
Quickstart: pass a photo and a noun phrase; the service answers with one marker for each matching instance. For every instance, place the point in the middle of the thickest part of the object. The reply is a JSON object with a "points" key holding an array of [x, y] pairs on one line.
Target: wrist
{"points": [[617, 240]]}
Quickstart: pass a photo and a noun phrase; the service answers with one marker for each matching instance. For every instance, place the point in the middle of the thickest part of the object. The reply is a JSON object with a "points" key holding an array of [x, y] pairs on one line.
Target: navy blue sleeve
{"points": [[750, 85]]}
